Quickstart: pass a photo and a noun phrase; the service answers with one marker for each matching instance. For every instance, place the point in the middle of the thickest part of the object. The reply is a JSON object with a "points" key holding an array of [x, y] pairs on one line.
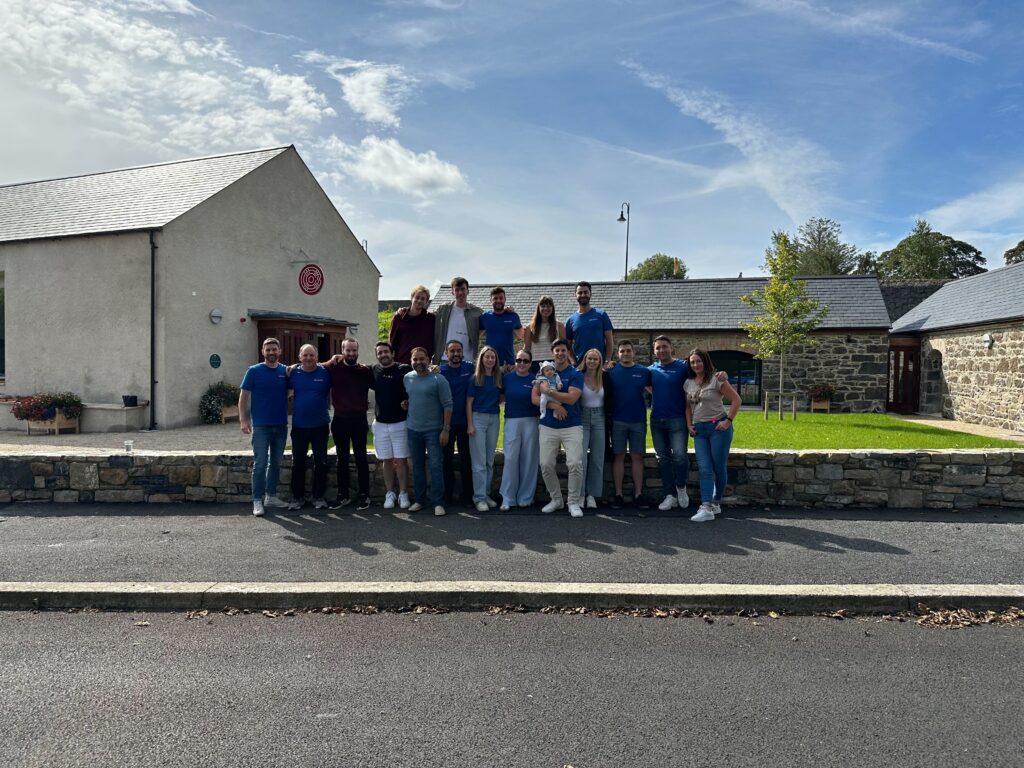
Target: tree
{"points": [[786, 316], [925, 254], [1016, 254], [820, 251], [660, 266], [867, 264]]}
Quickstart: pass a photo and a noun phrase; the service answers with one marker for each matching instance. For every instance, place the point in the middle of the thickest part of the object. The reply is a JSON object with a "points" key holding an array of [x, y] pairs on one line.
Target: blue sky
{"points": [[499, 139]]}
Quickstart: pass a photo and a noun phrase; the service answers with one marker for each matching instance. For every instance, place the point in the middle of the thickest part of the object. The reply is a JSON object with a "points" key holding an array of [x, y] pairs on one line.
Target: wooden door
{"points": [[904, 378]]}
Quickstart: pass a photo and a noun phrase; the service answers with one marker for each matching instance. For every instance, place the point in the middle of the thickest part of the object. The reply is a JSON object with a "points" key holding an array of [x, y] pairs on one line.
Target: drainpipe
{"points": [[152, 329]]}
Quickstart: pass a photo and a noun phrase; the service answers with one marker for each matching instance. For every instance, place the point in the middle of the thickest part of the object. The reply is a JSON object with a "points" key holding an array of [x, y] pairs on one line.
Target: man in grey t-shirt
{"points": [[428, 424]]}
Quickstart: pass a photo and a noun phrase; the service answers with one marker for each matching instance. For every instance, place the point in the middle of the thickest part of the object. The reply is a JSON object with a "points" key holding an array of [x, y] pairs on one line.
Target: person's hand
{"points": [[692, 430], [609, 365], [723, 424], [246, 427], [722, 376], [435, 369], [545, 388], [560, 412], [443, 438], [470, 430], [405, 405], [507, 368], [288, 370]]}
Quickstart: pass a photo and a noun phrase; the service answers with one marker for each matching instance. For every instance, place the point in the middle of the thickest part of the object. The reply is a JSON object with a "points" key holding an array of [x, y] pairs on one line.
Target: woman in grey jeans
{"points": [[593, 410]]}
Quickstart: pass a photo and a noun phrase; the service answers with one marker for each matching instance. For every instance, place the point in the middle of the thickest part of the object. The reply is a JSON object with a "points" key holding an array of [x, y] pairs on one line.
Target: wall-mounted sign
{"points": [[311, 279], [215, 361]]}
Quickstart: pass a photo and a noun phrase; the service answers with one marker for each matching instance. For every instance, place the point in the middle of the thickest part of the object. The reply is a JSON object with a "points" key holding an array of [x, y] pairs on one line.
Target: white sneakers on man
{"points": [[591, 502], [575, 511], [415, 507], [389, 500], [684, 500], [552, 506], [439, 511], [670, 502], [257, 508], [705, 514], [482, 506], [275, 501]]}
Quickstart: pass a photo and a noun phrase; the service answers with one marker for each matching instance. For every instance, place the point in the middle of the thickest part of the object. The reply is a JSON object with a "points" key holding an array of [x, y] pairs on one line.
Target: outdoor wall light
{"points": [[988, 341], [216, 316]]}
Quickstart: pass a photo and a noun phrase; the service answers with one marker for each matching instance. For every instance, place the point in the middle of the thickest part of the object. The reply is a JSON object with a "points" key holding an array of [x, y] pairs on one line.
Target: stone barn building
{"points": [[159, 280], [852, 346]]}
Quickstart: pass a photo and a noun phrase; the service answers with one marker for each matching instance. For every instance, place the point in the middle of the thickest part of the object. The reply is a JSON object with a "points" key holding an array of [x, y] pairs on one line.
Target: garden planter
{"points": [[55, 424]]}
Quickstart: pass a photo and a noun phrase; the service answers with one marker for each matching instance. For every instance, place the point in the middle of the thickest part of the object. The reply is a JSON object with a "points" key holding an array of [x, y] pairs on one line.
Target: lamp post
{"points": [[624, 217]]}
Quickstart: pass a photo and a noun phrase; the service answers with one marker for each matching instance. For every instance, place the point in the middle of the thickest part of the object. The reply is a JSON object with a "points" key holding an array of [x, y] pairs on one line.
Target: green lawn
{"points": [[819, 431]]}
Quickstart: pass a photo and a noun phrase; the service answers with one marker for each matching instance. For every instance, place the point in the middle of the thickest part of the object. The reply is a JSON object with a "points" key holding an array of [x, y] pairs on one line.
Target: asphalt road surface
{"points": [[187, 543], [472, 689]]}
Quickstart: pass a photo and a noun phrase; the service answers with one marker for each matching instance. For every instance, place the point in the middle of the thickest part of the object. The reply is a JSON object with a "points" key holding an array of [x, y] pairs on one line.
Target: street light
{"points": [[624, 217]]}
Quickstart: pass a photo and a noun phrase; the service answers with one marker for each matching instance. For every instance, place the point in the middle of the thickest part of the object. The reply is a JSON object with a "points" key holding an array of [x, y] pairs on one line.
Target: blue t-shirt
{"points": [[429, 397], [570, 377], [586, 331], [312, 397], [667, 398], [518, 404], [499, 332], [629, 384], [269, 394], [485, 396], [458, 381]]}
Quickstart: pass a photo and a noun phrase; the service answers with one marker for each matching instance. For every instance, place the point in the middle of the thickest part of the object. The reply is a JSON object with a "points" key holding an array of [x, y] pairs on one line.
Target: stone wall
{"points": [[855, 363], [977, 385], [949, 479]]}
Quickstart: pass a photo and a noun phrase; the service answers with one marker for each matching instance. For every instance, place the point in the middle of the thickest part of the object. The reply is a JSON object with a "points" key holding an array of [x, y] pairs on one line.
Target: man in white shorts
{"points": [[389, 437]]}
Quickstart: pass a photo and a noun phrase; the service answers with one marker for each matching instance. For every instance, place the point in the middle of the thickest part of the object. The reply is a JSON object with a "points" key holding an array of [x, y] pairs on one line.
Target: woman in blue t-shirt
{"points": [[483, 400], [521, 444]]}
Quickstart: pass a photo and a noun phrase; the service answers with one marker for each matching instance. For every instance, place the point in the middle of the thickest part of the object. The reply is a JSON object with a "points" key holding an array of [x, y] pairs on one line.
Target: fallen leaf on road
{"points": [[773, 614], [196, 614], [142, 623], [271, 614]]}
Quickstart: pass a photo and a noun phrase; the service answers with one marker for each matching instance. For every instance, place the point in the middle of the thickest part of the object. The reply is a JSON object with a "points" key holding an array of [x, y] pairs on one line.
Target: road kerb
{"points": [[791, 598]]}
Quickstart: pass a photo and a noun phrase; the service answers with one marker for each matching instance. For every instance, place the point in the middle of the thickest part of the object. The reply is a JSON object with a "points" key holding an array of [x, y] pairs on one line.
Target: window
{"points": [[744, 373]]}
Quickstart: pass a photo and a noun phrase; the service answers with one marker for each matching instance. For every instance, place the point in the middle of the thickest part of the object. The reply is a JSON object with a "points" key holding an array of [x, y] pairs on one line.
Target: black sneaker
{"points": [[617, 501], [363, 503], [342, 501], [641, 503]]}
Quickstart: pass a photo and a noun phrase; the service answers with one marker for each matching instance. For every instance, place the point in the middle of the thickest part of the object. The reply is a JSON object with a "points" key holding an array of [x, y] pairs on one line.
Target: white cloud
{"points": [[1000, 203], [791, 169], [374, 91], [865, 23], [386, 164]]}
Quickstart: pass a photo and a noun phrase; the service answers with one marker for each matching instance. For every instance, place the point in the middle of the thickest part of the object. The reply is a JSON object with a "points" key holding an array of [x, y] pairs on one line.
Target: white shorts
{"points": [[389, 440]]}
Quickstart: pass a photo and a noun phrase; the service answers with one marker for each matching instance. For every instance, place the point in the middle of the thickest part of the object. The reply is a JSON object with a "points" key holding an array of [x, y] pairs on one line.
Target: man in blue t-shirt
{"points": [[457, 372], [311, 394], [265, 390], [629, 423], [561, 425], [500, 327], [590, 328]]}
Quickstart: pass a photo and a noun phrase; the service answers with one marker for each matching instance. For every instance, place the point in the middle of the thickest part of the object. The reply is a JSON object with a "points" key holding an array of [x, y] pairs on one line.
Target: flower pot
{"points": [[130, 401]]}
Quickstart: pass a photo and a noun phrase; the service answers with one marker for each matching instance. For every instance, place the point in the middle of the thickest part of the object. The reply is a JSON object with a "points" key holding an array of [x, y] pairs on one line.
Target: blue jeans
{"points": [[712, 449], [428, 443], [267, 449], [482, 444], [670, 438], [522, 460], [593, 441]]}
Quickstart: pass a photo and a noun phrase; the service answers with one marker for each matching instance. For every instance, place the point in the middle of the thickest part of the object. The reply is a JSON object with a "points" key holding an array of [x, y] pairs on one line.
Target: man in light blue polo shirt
{"points": [[265, 390], [629, 423], [590, 328], [500, 328], [428, 425], [311, 424], [561, 425]]}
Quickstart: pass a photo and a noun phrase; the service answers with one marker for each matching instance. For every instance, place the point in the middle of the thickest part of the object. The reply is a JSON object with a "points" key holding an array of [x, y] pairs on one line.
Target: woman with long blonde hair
{"points": [[483, 403], [593, 421]]}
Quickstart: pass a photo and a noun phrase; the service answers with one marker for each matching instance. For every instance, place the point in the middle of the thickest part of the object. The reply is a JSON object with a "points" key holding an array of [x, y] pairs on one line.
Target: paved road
{"points": [[521, 690], [186, 543]]}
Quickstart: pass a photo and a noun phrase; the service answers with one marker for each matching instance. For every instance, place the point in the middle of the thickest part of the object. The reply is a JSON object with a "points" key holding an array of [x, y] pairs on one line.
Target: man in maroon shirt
{"points": [[350, 386], [412, 327]]}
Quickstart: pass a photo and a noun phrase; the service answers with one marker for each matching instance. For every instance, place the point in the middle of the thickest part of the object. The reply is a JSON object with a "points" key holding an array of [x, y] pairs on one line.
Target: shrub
{"points": [[211, 404], [821, 392], [43, 406]]}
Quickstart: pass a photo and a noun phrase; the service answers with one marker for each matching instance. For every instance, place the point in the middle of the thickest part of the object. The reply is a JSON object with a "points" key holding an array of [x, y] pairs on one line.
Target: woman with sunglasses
{"points": [[521, 442]]}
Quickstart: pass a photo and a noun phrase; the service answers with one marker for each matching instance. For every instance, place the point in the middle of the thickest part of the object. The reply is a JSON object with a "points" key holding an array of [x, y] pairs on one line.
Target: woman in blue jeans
{"points": [[711, 428], [483, 400], [593, 416]]}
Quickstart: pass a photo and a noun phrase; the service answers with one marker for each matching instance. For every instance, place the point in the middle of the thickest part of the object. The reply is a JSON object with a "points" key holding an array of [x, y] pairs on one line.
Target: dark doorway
{"points": [[744, 373], [904, 375]]}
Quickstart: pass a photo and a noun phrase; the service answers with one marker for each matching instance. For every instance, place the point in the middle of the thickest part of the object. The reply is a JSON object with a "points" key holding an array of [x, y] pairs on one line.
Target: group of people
{"points": [[441, 383]]}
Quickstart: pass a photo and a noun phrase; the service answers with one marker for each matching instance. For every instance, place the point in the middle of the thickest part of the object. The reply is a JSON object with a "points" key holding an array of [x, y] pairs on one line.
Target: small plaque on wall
{"points": [[215, 361]]}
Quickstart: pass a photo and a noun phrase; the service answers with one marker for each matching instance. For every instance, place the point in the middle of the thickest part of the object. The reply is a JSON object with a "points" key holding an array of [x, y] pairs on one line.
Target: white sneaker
{"points": [[403, 500], [504, 507], [439, 511], [481, 506], [319, 504], [295, 506], [491, 503], [552, 506], [684, 500], [591, 502], [670, 502], [414, 507], [390, 499], [575, 511], [704, 514], [257, 508], [716, 508], [275, 501]]}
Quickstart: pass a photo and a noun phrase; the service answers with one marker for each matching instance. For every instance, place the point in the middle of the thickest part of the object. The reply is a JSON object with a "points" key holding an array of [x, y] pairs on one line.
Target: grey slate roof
{"points": [[255, 313], [986, 298], [900, 298], [713, 304], [131, 199]]}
